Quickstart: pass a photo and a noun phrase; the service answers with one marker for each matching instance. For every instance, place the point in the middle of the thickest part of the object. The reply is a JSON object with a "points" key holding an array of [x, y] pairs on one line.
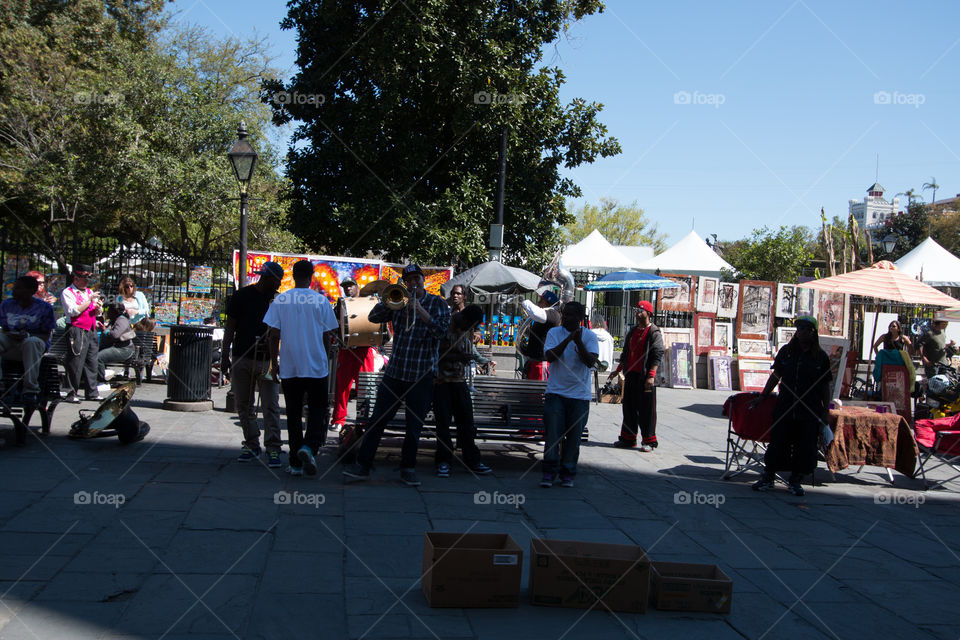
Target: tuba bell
{"points": [[395, 296]]}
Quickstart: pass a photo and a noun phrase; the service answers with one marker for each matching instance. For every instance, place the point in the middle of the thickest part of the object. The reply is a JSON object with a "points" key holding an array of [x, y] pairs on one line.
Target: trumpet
{"points": [[395, 296]]}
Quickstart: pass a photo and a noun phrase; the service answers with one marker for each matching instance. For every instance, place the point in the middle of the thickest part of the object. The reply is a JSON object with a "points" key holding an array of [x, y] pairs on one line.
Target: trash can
{"points": [[188, 374]]}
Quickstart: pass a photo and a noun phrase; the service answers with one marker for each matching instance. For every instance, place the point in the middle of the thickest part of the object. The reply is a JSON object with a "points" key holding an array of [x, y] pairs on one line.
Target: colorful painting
{"points": [[680, 298], [166, 312], [434, 276], [195, 310], [201, 279], [832, 310]]}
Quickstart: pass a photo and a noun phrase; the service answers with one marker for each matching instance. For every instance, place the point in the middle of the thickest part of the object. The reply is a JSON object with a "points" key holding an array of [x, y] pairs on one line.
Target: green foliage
{"points": [[778, 255], [619, 224], [397, 151], [910, 228]]}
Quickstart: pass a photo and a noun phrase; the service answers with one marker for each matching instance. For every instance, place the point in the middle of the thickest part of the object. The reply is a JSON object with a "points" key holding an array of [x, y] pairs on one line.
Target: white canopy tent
{"points": [[595, 253], [932, 264], [689, 256]]}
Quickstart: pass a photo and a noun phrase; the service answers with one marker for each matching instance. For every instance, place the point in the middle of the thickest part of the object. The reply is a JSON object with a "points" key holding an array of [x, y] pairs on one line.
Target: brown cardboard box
{"points": [[471, 570], [679, 586], [576, 574]]}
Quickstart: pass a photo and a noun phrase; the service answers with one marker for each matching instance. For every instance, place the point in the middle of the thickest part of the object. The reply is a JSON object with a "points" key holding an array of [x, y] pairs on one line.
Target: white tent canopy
{"points": [[690, 256], [636, 253], [595, 253], [933, 264]]}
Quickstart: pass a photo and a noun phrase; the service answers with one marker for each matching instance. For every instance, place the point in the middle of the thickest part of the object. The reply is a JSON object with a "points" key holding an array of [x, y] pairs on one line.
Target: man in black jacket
{"points": [[642, 355]]}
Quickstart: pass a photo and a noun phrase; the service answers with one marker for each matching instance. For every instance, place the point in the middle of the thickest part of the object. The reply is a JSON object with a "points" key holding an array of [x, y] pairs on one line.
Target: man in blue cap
{"points": [[247, 334]]}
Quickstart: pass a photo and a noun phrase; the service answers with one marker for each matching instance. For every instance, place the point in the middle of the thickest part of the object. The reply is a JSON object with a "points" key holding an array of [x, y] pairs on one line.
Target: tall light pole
{"points": [[243, 159]]}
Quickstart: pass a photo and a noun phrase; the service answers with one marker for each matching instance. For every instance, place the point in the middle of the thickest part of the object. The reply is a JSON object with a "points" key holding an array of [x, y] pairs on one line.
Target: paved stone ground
{"points": [[200, 548]]}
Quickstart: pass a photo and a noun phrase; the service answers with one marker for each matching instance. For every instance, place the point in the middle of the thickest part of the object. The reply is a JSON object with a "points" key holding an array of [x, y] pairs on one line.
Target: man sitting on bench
{"points": [[26, 323]]}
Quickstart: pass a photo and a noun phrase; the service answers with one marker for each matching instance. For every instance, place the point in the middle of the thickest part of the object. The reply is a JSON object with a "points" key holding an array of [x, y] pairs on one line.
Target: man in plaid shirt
{"points": [[408, 377]]}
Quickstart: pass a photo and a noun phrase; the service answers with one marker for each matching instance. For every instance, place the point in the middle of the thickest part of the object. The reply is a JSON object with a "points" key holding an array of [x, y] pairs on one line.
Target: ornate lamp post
{"points": [[243, 159]]}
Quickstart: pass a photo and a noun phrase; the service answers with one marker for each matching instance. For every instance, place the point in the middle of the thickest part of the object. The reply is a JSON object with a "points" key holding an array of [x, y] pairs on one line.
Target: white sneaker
{"points": [[108, 374], [104, 389]]}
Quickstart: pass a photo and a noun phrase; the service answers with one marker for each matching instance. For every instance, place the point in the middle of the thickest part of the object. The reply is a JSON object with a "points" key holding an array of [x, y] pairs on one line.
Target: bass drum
{"points": [[355, 329]]}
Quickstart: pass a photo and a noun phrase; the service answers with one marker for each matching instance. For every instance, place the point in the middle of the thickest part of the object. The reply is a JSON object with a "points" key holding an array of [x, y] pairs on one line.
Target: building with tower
{"points": [[873, 211]]}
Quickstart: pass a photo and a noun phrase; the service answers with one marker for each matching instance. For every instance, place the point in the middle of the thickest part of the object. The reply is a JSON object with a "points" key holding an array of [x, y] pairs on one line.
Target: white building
{"points": [[873, 211]]}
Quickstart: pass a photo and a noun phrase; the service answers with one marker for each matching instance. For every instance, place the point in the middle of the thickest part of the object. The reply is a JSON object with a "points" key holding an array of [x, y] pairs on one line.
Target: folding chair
{"points": [[939, 440], [748, 433]]}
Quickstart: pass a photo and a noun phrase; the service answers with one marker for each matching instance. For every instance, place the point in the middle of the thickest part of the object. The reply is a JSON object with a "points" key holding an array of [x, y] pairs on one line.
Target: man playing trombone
{"points": [[418, 326]]}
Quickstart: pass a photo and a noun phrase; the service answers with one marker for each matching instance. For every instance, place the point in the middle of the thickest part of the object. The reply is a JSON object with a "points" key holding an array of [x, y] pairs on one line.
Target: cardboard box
{"points": [[680, 586], [471, 570], [573, 574]]}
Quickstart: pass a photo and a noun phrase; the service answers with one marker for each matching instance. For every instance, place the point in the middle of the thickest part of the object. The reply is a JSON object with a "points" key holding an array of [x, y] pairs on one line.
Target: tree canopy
{"points": [[619, 224], [400, 119], [778, 255]]}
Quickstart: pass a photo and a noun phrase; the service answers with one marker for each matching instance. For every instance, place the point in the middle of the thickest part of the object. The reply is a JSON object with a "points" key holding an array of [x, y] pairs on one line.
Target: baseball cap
{"points": [[645, 305], [810, 320], [271, 269], [346, 281], [550, 297], [411, 268]]}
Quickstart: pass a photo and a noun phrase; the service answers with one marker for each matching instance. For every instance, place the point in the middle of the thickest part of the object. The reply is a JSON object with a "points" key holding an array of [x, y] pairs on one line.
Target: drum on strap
{"points": [[355, 329]]}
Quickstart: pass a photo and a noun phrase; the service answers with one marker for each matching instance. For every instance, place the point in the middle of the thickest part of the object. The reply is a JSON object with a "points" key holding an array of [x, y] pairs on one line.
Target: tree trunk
{"points": [[828, 244]]}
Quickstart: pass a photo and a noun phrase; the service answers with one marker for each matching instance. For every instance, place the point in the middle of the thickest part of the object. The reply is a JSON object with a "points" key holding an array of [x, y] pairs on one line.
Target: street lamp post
{"points": [[890, 242], [243, 159]]}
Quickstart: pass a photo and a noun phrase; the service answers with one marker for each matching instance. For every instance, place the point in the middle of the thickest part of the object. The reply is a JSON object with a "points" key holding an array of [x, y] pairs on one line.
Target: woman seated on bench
{"points": [[116, 344]]}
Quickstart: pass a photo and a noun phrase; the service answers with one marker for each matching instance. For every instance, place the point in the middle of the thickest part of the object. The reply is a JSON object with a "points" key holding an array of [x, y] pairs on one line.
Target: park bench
{"points": [[11, 401], [503, 408]]}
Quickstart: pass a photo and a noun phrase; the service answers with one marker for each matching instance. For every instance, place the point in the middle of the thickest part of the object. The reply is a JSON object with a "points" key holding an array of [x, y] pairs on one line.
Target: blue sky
{"points": [[741, 114]]}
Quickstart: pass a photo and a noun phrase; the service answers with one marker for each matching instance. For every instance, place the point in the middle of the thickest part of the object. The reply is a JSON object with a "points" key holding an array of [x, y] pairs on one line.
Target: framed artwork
{"points": [[723, 336], [727, 296], [836, 349], [754, 374], [715, 351], [786, 300], [755, 317], [680, 298], [806, 301], [719, 373], [681, 366], [833, 309], [703, 323], [753, 348], [707, 294], [672, 336], [895, 388], [785, 335]]}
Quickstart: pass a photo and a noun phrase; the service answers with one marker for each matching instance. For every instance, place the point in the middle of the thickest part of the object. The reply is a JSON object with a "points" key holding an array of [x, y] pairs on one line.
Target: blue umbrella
{"points": [[630, 281]]}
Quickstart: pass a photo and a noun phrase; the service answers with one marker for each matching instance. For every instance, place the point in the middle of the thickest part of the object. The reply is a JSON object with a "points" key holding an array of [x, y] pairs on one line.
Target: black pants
{"points": [[639, 410], [793, 444], [453, 399], [392, 392], [81, 361], [315, 390]]}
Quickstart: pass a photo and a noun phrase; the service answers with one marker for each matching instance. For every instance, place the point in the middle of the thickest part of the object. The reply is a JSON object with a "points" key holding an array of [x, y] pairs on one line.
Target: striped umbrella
{"points": [[885, 282]]}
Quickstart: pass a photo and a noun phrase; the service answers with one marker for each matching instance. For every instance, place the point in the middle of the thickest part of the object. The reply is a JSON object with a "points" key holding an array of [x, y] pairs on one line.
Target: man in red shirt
{"points": [[642, 354]]}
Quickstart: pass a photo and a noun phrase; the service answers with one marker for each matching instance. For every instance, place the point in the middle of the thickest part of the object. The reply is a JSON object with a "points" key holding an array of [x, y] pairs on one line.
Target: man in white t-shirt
{"points": [[302, 326], [571, 351]]}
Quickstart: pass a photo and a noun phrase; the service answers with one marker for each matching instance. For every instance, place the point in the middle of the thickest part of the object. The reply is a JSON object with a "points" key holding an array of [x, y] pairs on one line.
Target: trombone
{"points": [[397, 297]]}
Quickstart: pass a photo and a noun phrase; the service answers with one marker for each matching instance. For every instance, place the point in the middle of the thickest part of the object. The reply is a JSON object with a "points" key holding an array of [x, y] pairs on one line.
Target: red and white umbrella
{"points": [[885, 282]]}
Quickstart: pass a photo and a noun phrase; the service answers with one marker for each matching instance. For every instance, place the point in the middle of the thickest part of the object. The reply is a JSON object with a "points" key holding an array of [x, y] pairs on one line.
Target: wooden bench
{"points": [[503, 408], [11, 404]]}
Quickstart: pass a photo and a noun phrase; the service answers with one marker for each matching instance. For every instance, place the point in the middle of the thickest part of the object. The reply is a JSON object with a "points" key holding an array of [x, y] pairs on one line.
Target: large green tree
{"points": [[619, 224], [402, 109], [909, 229], [779, 255]]}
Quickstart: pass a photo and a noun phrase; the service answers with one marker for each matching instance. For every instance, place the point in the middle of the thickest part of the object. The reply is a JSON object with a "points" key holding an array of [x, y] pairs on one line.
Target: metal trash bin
{"points": [[188, 374]]}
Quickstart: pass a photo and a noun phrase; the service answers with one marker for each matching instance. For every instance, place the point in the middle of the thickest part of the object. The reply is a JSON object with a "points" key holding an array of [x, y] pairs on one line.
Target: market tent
{"points": [[636, 253], [595, 253], [689, 256], [931, 263], [493, 277], [884, 281]]}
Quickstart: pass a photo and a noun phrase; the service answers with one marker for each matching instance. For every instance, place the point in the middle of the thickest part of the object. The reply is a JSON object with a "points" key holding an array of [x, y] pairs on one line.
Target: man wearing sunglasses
{"points": [[82, 305]]}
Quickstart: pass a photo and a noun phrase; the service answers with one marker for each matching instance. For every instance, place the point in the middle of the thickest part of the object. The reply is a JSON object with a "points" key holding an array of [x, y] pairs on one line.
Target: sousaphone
{"points": [[113, 417]]}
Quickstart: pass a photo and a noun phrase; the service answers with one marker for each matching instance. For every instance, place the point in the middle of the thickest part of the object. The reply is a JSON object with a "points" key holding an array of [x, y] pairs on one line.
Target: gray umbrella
{"points": [[494, 277]]}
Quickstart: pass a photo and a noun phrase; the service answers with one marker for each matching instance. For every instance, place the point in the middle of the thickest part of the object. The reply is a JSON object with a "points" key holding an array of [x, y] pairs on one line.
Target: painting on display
{"points": [[786, 300], [806, 302], [755, 317], [682, 363], [703, 323], [836, 349], [434, 277], [785, 335], [727, 297], [680, 298], [753, 348], [719, 373], [166, 312], [707, 294], [200, 280], [672, 336], [832, 313], [754, 374], [723, 336], [328, 271], [196, 310]]}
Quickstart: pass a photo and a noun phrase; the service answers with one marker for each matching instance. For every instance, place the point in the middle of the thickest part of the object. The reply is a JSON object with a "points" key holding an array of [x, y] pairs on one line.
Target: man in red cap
{"points": [[642, 355]]}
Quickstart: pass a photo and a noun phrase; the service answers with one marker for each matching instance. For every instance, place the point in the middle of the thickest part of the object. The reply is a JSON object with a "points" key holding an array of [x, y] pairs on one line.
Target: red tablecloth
{"points": [[865, 437]]}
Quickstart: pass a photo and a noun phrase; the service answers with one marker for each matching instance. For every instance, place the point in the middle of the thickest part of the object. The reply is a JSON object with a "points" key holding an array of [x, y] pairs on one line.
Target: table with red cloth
{"points": [[864, 437]]}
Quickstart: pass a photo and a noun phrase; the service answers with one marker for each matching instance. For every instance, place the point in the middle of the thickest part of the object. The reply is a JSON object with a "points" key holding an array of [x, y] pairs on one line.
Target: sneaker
{"points": [[409, 477], [646, 448], [109, 374], [92, 397], [443, 470], [247, 454], [295, 471], [796, 489], [356, 471], [337, 427], [625, 444], [566, 481], [309, 463], [273, 460], [547, 480], [763, 484], [481, 469]]}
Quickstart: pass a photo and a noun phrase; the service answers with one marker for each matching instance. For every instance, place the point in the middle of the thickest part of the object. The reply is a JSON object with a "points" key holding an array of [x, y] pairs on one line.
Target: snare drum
{"points": [[355, 329]]}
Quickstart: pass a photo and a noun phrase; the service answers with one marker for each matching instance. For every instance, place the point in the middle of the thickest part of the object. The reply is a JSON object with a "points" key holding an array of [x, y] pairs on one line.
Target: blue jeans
{"points": [[417, 397], [563, 421]]}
